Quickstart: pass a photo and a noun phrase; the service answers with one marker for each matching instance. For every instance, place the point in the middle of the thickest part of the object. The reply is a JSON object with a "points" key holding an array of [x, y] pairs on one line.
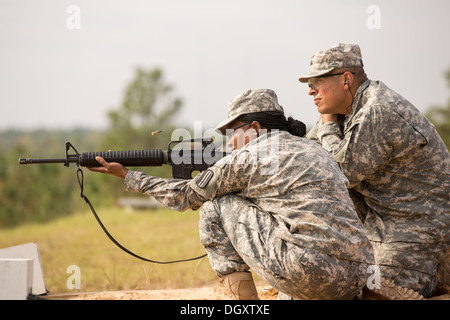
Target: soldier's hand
{"points": [[113, 168]]}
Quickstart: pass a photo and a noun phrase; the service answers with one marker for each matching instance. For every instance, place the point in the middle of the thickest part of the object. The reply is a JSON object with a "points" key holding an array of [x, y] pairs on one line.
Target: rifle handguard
{"points": [[128, 158]]}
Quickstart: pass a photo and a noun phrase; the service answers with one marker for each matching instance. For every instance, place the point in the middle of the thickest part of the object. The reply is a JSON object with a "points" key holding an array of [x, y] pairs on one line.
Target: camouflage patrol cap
{"points": [[340, 56], [251, 101]]}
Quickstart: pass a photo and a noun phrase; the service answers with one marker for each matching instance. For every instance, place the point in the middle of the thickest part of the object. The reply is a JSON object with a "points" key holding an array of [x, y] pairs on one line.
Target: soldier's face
{"points": [[240, 134], [328, 93]]}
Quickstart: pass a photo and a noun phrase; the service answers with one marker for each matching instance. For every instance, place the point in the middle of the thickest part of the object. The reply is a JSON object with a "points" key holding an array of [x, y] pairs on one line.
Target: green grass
{"points": [[77, 239]]}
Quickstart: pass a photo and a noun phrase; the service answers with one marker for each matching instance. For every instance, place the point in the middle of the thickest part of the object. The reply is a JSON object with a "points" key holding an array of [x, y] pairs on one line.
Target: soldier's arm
{"points": [[366, 146], [330, 135], [228, 175]]}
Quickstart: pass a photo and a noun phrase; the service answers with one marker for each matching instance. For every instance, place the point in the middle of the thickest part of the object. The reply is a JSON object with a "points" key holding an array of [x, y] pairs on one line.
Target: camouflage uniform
{"points": [[279, 206], [399, 173]]}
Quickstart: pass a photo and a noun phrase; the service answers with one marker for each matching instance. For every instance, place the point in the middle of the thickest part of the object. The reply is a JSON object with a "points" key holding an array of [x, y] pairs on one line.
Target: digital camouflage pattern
{"points": [[399, 173], [251, 101], [341, 55], [238, 235], [279, 206]]}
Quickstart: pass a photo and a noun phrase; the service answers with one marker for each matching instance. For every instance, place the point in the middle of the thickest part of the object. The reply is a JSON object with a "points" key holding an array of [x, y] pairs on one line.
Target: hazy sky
{"points": [[52, 76]]}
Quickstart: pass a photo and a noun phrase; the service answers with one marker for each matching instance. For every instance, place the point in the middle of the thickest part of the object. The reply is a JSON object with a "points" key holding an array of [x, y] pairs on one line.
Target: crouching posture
{"points": [[277, 205]]}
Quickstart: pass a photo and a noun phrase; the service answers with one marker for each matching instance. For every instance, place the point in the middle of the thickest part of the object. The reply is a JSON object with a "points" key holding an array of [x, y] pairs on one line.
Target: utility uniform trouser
{"points": [[394, 259], [237, 236]]}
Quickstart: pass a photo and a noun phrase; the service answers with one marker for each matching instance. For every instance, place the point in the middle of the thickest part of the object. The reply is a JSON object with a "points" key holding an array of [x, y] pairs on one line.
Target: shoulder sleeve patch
{"points": [[204, 178], [205, 184]]}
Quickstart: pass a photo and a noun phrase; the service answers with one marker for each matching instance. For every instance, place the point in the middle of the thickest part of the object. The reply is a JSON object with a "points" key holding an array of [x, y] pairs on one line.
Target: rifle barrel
{"points": [[42, 160]]}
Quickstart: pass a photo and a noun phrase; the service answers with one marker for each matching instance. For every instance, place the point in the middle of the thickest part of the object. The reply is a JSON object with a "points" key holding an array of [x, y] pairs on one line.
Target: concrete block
{"points": [[16, 278], [28, 251]]}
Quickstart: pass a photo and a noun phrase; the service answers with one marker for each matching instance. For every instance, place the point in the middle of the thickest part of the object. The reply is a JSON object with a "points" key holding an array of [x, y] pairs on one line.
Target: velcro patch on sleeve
{"points": [[204, 179], [205, 184]]}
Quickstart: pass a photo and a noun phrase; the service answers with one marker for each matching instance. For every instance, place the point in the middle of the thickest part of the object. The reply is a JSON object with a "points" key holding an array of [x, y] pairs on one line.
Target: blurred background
{"points": [[105, 74]]}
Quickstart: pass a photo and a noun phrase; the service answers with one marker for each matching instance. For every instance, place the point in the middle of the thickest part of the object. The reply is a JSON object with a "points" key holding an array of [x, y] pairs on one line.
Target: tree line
{"points": [[39, 193]]}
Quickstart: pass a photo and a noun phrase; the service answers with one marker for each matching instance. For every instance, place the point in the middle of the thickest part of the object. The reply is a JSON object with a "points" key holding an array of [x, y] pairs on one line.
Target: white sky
{"points": [[53, 77]]}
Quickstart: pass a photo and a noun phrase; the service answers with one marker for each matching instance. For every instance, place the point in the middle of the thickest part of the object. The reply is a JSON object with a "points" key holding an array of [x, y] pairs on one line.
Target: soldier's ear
{"points": [[256, 125]]}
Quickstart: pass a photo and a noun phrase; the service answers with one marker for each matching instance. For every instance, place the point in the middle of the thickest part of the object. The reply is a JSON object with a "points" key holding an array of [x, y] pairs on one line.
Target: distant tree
{"points": [[39, 193], [35, 193], [440, 117], [149, 105], [42, 192]]}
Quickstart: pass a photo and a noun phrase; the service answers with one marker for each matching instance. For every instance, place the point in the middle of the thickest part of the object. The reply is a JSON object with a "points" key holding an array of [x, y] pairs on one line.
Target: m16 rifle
{"points": [[185, 157]]}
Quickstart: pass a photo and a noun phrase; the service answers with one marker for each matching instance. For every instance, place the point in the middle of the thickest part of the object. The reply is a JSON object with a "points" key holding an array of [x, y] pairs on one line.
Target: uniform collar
{"points": [[355, 105]]}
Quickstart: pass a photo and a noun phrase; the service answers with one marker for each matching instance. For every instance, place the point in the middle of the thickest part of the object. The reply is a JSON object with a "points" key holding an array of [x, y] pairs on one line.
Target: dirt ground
{"points": [[205, 293]]}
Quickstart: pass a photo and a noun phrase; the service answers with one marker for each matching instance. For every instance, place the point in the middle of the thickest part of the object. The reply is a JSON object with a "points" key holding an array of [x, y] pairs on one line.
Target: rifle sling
{"points": [[80, 182]]}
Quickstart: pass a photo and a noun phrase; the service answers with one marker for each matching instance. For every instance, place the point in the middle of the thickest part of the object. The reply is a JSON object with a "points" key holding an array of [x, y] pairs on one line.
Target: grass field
{"points": [[159, 234]]}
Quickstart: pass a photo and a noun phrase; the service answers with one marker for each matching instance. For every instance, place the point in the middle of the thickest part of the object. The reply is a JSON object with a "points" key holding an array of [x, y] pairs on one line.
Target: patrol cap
{"points": [[251, 101], [340, 56]]}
